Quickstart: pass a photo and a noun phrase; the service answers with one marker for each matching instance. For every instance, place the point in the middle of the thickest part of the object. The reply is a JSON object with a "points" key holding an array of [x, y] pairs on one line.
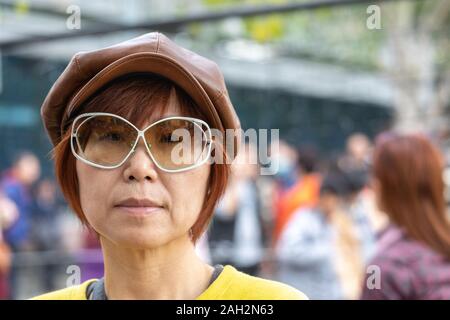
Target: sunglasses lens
{"points": [[178, 143], [104, 140], [173, 143]]}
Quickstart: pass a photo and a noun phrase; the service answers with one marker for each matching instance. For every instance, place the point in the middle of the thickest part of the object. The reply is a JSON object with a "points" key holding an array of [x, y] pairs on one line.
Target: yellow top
{"points": [[231, 284]]}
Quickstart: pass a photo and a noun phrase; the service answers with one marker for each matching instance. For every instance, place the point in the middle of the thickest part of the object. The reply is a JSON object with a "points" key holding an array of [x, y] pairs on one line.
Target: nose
{"points": [[139, 166]]}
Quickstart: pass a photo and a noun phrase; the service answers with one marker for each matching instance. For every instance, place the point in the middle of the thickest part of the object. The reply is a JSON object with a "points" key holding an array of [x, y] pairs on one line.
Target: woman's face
{"points": [[179, 195]]}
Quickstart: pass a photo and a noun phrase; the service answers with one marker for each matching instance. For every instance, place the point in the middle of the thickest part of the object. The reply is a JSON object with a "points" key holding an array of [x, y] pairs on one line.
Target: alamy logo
{"points": [[374, 277], [373, 21], [74, 277], [73, 22]]}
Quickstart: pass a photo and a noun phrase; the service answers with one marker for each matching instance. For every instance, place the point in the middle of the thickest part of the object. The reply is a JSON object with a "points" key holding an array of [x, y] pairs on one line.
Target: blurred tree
{"points": [[418, 61], [411, 48]]}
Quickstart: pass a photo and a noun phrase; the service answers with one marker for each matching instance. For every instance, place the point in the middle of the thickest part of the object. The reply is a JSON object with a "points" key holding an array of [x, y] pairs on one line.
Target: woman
{"points": [[8, 215], [413, 259], [148, 199]]}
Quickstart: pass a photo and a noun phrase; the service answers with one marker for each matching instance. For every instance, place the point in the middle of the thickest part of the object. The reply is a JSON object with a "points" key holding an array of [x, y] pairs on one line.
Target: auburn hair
{"points": [[136, 97], [409, 169]]}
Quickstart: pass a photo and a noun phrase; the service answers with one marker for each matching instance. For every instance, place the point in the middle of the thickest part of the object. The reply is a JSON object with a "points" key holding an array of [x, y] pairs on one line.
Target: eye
{"points": [[170, 138], [111, 136]]}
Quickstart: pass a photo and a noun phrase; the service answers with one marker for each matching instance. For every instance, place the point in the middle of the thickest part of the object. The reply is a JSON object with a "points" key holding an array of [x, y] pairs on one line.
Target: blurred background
{"points": [[330, 75]]}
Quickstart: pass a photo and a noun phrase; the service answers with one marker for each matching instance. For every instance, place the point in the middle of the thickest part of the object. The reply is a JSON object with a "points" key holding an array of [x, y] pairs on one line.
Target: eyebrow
{"points": [[163, 117]]}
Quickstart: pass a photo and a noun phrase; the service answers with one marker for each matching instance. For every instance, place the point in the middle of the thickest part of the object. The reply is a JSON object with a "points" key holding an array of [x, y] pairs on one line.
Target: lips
{"points": [[134, 202], [139, 206]]}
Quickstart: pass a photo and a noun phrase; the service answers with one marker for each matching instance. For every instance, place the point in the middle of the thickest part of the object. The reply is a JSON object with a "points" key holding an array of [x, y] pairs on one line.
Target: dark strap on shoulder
{"points": [[96, 290], [217, 270]]}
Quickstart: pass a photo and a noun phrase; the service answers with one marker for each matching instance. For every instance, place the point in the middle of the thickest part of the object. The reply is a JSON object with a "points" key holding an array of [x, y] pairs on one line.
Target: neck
{"points": [[172, 272]]}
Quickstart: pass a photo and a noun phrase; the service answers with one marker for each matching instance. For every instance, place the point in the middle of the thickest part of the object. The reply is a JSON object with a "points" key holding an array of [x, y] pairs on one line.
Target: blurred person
{"points": [[358, 152], [358, 206], [306, 250], [272, 189], [304, 193], [286, 158], [356, 159], [17, 183], [361, 199], [238, 217], [45, 231], [355, 163], [355, 237], [319, 250], [148, 203], [8, 214], [413, 251]]}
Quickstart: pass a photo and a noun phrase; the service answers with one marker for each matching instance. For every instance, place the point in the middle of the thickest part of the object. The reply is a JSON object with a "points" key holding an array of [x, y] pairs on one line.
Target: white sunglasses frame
{"points": [[141, 133]]}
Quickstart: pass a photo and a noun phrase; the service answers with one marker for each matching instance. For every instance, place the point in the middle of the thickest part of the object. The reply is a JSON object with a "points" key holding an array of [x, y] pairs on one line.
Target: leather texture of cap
{"points": [[153, 52]]}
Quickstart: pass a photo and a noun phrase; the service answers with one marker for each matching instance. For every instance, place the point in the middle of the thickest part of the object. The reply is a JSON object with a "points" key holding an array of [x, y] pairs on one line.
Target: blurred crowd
{"points": [[39, 236], [368, 223], [323, 223]]}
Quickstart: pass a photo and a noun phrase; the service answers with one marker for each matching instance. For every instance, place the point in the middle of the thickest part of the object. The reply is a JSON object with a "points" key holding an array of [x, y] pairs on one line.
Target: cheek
{"points": [[187, 191], [93, 187]]}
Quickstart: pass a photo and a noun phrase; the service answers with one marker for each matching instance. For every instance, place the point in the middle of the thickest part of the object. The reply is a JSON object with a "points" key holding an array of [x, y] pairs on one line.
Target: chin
{"points": [[140, 239]]}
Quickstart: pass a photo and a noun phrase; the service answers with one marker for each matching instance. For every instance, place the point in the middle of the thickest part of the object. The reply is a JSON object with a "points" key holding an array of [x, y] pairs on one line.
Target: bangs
{"points": [[141, 98]]}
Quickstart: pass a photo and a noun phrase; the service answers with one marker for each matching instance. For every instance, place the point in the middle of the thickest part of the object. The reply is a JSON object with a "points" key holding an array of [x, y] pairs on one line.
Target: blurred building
{"points": [[309, 101]]}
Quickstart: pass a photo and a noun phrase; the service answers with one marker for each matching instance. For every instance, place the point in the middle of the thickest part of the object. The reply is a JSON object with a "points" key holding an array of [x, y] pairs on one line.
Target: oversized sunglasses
{"points": [[106, 140]]}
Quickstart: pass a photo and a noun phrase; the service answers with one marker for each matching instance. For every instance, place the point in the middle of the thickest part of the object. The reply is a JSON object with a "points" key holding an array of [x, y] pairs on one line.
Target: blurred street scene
{"points": [[330, 75]]}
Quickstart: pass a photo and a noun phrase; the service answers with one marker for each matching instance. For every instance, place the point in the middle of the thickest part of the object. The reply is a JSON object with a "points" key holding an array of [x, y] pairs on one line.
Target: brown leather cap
{"points": [[152, 52]]}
